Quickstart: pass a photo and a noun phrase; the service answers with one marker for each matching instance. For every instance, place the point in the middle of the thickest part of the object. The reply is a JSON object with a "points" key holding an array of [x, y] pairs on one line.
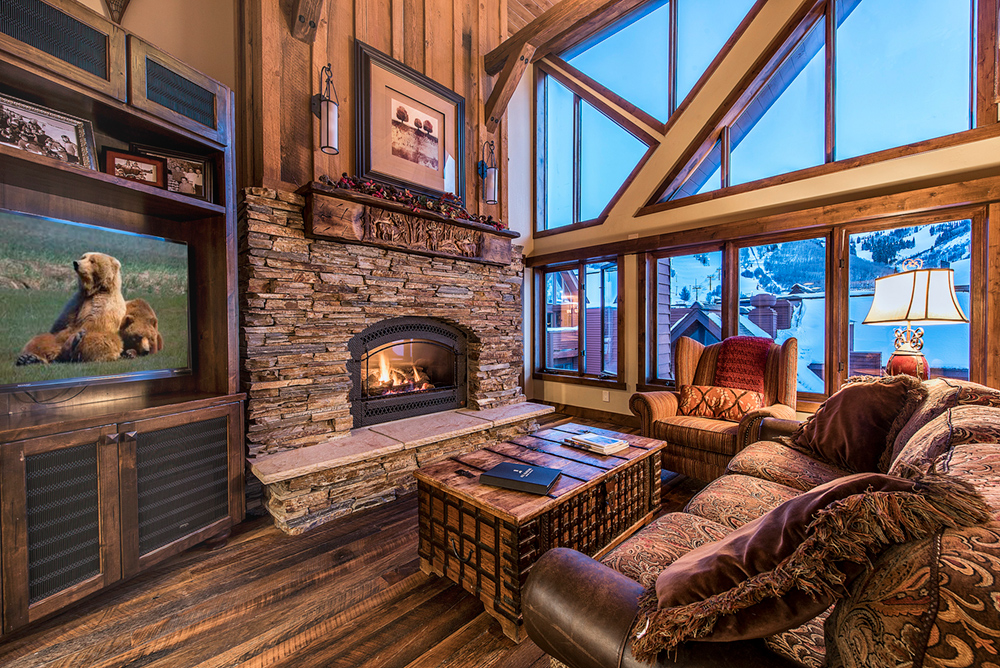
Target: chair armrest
{"points": [[652, 406], [772, 428], [581, 612], [750, 426]]}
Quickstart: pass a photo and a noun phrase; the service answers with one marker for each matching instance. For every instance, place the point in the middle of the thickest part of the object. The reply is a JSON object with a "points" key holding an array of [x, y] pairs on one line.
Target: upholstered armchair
{"points": [[699, 446]]}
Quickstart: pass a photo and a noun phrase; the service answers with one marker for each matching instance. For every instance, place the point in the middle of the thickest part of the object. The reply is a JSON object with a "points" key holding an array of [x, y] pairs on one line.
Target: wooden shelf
{"points": [[44, 174]]}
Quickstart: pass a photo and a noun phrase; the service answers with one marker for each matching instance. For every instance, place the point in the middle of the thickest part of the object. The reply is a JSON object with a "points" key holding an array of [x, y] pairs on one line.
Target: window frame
{"points": [[580, 376], [984, 98], [559, 70]]}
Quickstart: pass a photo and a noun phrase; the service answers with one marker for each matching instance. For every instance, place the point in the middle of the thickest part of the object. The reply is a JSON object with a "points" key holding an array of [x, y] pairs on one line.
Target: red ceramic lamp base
{"points": [[913, 364]]}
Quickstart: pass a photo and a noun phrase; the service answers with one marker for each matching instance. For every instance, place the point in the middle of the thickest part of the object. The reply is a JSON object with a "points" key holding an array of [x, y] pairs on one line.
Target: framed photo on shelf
{"points": [[42, 131], [410, 129], [186, 174], [135, 167]]}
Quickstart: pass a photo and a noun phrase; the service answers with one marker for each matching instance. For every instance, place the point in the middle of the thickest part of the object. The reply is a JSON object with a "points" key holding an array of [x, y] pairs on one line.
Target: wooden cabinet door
{"points": [[181, 480], [59, 521]]}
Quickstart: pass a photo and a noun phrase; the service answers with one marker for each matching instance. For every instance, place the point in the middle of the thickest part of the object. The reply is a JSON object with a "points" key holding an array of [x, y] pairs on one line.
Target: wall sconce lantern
{"points": [[488, 172], [327, 110]]}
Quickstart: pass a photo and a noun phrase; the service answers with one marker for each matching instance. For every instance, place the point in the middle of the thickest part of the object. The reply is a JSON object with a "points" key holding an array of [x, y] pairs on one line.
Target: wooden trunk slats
{"points": [[486, 538]]}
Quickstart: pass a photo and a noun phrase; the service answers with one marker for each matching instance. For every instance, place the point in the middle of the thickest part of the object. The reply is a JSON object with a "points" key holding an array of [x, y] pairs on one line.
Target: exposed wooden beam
{"points": [[546, 28], [583, 29], [305, 18], [505, 86]]}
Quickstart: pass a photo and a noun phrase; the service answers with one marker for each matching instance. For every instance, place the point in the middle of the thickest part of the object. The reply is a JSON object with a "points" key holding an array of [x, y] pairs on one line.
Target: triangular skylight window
{"points": [[632, 57]]}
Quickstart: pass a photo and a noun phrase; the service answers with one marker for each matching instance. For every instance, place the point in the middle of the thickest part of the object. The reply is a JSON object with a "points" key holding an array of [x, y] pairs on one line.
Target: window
{"points": [[783, 295], [581, 343], [588, 156], [882, 252], [686, 301], [902, 72], [633, 57]]}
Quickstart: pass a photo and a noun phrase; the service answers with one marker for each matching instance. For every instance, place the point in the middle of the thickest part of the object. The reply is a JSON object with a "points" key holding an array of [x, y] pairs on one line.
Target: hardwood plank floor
{"points": [[349, 593]]}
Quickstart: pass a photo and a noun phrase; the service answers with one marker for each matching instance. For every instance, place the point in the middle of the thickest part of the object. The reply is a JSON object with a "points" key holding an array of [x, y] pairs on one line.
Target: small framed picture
{"points": [[186, 174], [41, 131], [135, 167]]}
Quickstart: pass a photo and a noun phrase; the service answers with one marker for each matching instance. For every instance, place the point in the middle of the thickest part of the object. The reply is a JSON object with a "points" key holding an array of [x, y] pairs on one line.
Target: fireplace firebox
{"points": [[404, 367]]}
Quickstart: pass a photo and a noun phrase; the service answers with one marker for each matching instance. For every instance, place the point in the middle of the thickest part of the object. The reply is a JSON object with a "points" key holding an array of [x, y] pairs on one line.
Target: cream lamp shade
{"points": [[918, 297]]}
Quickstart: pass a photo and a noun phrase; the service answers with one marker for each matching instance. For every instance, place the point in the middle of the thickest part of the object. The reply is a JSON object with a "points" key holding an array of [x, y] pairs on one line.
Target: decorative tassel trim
{"points": [[854, 529]]}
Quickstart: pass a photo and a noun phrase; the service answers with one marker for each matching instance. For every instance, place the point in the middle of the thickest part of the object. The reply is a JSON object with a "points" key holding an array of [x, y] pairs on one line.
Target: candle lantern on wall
{"points": [[326, 107], [489, 173]]}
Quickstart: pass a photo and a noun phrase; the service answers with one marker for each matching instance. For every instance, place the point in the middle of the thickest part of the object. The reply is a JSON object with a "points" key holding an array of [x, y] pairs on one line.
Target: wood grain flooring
{"points": [[349, 593]]}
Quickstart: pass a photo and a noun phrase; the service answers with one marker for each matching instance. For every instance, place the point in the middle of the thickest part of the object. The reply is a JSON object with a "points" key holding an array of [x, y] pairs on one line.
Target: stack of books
{"points": [[602, 445]]}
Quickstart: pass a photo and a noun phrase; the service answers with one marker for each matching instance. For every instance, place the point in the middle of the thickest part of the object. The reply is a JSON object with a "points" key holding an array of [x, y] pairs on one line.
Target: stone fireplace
{"points": [[404, 367], [321, 316]]}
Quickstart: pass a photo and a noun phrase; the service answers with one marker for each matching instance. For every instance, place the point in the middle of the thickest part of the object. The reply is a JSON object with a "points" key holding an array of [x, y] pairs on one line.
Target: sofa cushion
{"points": [[942, 394], [788, 566], [657, 545], [930, 603], [805, 645], [742, 360], [962, 424], [979, 465], [857, 425], [699, 433], [779, 463], [734, 500], [720, 403]]}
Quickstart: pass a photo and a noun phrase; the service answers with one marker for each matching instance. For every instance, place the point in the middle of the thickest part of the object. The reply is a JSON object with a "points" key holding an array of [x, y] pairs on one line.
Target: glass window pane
{"points": [[903, 72], [874, 254], [608, 154], [783, 128], [632, 60], [705, 178], [702, 30], [686, 301], [561, 320], [783, 295], [559, 154], [601, 324]]}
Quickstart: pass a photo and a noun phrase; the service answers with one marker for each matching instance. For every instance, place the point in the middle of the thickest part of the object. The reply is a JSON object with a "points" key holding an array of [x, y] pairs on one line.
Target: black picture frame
{"points": [[79, 148], [379, 156], [175, 159]]}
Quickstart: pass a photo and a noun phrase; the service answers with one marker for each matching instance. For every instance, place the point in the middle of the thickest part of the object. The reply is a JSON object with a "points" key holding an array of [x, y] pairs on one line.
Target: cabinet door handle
{"points": [[131, 435], [113, 438]]}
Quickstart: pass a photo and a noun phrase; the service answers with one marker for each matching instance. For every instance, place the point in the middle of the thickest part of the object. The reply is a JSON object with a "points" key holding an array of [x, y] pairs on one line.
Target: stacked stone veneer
{"points": [[301, 301]]}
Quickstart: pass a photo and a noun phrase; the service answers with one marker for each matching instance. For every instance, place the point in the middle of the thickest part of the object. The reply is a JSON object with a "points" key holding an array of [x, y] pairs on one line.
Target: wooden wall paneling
{"points": [[305, 19], [993, 296], [398, 29], [335, 45], [439, 58], [250, 119], [978, 301], [413, 34], [296, 125]]}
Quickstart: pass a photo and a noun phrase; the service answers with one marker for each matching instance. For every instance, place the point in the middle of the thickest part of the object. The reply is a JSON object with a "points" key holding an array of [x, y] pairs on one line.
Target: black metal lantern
{"points": [[326, 107], [489, 172]]}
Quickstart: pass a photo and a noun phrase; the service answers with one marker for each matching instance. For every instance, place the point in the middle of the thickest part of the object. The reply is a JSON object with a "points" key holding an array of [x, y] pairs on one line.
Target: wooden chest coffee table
{"points": [[486, 538]]}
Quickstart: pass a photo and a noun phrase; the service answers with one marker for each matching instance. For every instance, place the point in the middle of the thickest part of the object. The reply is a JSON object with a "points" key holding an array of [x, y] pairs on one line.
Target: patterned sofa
{"points": [[929, 602]]}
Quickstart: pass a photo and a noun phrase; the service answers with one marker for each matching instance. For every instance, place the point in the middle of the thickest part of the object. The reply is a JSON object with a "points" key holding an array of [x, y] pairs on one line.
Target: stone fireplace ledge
{"points": [[384, 439]]}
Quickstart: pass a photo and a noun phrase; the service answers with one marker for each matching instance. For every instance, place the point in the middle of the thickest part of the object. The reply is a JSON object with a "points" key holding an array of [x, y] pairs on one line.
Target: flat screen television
{"points": [[39, 260]]}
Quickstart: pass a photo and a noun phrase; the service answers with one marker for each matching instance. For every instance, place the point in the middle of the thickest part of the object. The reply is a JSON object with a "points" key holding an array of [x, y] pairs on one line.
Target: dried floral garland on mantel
{"points": [[448, 205]]}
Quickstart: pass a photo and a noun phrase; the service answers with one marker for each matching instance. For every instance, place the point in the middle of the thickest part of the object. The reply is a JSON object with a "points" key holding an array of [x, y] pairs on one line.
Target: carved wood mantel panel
{"points": [[341, 215]]}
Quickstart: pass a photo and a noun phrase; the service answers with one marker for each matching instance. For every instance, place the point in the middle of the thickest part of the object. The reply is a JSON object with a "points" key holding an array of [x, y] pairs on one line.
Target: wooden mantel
{"points": [[342, 215]]}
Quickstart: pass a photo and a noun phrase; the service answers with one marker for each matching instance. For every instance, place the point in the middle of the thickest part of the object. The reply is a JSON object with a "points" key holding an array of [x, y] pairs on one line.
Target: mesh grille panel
{"points": [[50, 30], [179, 94], [183, 480], [64, 537]]}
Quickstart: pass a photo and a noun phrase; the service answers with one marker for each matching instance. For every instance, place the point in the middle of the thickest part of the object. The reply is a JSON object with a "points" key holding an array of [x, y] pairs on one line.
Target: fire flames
{"points": [[389, 379]]}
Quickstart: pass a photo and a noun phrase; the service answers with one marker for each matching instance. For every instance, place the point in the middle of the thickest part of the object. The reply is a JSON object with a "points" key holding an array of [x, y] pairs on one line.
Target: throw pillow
{"points": [[930, 604], [741, 362], [855, 428], [957, 426], [788, 566], [721, 403]]}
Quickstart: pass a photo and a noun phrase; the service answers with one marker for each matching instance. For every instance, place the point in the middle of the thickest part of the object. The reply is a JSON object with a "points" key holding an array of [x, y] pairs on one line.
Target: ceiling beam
{"points": [[505, 86]]}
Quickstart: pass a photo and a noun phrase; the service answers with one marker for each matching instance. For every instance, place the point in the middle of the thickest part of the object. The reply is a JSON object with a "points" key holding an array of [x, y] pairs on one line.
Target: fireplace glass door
{"points": [[406, 367]]}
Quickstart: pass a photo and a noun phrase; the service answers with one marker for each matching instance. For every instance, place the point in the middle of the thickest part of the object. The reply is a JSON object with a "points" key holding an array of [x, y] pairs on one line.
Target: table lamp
{"points": [[917, 297]]}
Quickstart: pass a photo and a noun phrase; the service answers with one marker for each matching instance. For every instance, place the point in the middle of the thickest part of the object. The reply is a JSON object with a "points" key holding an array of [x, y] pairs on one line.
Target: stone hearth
{"points": [[303, 299]]}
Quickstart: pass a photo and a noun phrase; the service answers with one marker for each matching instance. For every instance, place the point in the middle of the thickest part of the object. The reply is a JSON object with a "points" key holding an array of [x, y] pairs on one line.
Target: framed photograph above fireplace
{"points": [[410, 129]]}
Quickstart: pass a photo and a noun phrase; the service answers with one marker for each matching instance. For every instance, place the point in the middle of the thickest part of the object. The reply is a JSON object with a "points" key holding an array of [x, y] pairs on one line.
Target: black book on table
{"points": [[521, 477]]}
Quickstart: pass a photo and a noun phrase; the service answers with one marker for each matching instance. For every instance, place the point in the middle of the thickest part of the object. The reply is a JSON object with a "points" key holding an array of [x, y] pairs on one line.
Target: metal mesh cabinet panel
{"points": [[167, 88], [63, 519], [47, 29], [183, 481]]}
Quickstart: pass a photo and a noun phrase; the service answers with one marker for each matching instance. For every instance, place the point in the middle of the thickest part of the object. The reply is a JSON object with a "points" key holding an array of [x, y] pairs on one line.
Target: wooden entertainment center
{"points": [[98, 481]]}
